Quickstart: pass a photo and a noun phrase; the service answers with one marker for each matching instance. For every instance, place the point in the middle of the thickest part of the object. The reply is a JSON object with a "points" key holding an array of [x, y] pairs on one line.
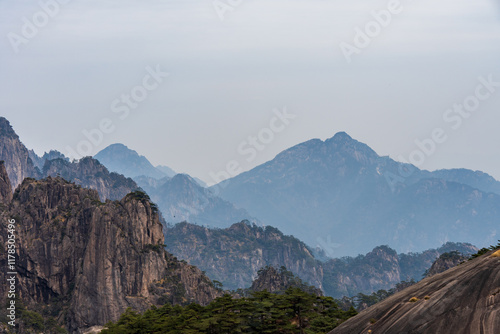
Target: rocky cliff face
{"points": [[446, 261], [5, 186], [377, 270], [86, 261], [17, 161], [90, 173], [462, 300], [234, 255]]}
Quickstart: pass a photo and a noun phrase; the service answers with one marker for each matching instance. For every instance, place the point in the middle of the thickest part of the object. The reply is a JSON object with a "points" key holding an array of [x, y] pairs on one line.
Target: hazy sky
{"points": [[228, 77]]}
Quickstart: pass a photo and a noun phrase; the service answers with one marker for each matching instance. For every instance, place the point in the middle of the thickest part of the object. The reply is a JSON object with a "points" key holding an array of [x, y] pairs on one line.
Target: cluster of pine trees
{"points": [[483, 251], [294, 311]]}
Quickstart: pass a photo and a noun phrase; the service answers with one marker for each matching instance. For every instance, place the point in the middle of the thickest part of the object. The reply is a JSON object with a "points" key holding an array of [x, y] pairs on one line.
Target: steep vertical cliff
{"points": [[16, 156], [5, 186], [86, 261]]}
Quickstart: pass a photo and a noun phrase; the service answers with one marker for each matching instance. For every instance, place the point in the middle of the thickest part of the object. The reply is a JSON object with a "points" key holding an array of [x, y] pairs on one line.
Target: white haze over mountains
{"points": [[226, 77]]}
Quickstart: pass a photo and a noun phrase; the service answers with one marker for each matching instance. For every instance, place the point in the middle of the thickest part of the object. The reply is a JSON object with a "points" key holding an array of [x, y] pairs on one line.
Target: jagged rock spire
{"points": [[16, 156]]}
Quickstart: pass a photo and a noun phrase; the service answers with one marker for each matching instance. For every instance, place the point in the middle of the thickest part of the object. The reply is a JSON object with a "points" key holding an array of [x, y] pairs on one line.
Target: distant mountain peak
{"points": [[122, 148], [342, 142], [121, 159], [302, 149], [185, 178], [118, 145], [338, 189], [341, 136], [181, 198]]}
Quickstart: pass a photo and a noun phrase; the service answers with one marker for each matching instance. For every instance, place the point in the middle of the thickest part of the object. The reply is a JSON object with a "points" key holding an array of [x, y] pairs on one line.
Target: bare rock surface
{"points": [[462, 300], [5, 186]]}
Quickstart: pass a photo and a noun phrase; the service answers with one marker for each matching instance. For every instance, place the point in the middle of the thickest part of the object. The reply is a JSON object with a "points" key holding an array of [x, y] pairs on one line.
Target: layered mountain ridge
{"points": [[340, 195], [86, 255], [180, 197], [234, 256]]}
